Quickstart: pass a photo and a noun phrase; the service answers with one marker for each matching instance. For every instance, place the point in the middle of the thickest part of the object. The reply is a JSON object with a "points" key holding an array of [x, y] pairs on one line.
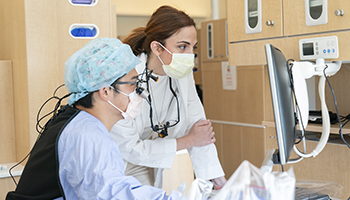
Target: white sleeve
{"points": [[158, 153], [205, 160]]}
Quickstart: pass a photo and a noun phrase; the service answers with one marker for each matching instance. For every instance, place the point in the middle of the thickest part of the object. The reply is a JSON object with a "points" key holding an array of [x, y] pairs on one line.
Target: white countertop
{"points": [[4, 170]]}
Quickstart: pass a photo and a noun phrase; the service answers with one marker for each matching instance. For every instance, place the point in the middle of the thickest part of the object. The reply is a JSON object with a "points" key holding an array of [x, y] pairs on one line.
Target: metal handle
{"points": [[269, 23], [339, 12]]}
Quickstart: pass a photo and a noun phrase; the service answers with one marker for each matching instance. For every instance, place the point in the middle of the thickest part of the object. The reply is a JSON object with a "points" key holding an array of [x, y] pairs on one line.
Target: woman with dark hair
{"points": [[173, 117]]}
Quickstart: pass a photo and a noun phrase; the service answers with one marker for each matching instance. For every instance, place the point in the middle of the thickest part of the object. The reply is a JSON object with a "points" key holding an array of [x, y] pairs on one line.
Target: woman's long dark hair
{"points": [[164, 22]]}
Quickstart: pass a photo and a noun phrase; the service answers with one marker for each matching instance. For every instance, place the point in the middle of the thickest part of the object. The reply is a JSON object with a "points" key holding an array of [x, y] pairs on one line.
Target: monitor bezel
{"points": [[285, 125]]}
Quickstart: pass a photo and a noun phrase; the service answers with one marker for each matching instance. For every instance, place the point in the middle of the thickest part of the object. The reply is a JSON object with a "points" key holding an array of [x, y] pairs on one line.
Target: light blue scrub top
{"points": [[91, 166]]}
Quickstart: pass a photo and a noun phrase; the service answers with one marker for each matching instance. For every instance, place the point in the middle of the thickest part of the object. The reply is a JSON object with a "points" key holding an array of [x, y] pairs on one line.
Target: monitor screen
{"points": [[282, 101]]}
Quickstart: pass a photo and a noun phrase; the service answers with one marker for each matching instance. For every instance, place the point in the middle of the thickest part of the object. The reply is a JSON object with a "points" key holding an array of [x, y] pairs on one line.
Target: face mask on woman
{"points": [[134, 107], [181, 64]]}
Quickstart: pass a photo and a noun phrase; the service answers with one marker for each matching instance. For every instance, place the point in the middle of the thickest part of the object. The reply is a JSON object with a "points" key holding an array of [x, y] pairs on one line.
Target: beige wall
{"points": [[196, 8], [125, 24], [130, 16], [222, 9]]}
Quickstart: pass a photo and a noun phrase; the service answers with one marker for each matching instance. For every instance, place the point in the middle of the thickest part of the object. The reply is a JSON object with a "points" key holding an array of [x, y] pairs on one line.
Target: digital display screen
{"points": [[308, 49]]}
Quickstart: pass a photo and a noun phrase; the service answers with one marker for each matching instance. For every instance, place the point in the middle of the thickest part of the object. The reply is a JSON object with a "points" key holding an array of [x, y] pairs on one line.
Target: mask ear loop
{"points": [[165, 48], [120, 110], [161, 60]]}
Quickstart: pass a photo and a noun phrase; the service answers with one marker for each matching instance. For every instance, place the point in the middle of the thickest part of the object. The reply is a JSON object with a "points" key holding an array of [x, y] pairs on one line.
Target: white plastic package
{"points": [[251, 183], [200, 189]]}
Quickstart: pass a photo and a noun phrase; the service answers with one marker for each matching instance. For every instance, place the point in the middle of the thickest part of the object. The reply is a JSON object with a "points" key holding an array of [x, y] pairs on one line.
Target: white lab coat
{"points": [[141, 146]]}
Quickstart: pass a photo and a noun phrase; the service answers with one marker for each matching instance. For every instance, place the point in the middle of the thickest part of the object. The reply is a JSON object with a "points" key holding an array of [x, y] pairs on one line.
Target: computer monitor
{"points": [[283, 104]]}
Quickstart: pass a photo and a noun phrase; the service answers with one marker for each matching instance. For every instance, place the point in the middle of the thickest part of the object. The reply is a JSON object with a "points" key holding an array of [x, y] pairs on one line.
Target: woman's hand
{"points": [[201, 134], [219, 182]]}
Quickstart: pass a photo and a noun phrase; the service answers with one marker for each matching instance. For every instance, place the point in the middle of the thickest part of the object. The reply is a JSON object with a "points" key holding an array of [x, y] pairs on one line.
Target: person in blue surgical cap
{"points": [[75, 157]]}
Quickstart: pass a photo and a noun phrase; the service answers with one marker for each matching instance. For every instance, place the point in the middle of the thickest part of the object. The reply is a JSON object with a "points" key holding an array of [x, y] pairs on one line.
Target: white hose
{"points": [[325, 123]]}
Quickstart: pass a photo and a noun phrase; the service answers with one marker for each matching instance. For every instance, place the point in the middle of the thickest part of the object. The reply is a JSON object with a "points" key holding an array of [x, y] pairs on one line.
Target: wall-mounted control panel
{"points": [[322, 47]]}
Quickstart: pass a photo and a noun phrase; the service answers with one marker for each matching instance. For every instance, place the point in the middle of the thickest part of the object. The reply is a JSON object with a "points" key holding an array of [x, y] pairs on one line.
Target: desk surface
{"points": [[314, 127]]}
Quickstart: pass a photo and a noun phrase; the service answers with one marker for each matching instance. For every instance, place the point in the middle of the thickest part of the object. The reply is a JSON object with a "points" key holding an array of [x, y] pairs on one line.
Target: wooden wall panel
{"points": [[238, 143], [242, 105], [5, 32], [253, 145], [7, 114], [13, 39], [217, 128], [212, 89], [42, 58], [232, 149]]}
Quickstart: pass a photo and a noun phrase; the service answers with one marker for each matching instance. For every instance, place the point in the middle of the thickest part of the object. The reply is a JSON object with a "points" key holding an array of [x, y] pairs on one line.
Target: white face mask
{"points": [[134, 107], [181, 64]]}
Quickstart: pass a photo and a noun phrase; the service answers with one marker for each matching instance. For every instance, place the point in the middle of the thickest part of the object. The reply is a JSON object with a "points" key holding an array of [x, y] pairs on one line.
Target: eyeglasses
{"points": [[132, 83], [139, 90]]}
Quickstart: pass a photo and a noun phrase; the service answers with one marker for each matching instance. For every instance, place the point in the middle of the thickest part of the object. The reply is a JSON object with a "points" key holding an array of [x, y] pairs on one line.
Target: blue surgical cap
{"points": [[97, 65]]}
